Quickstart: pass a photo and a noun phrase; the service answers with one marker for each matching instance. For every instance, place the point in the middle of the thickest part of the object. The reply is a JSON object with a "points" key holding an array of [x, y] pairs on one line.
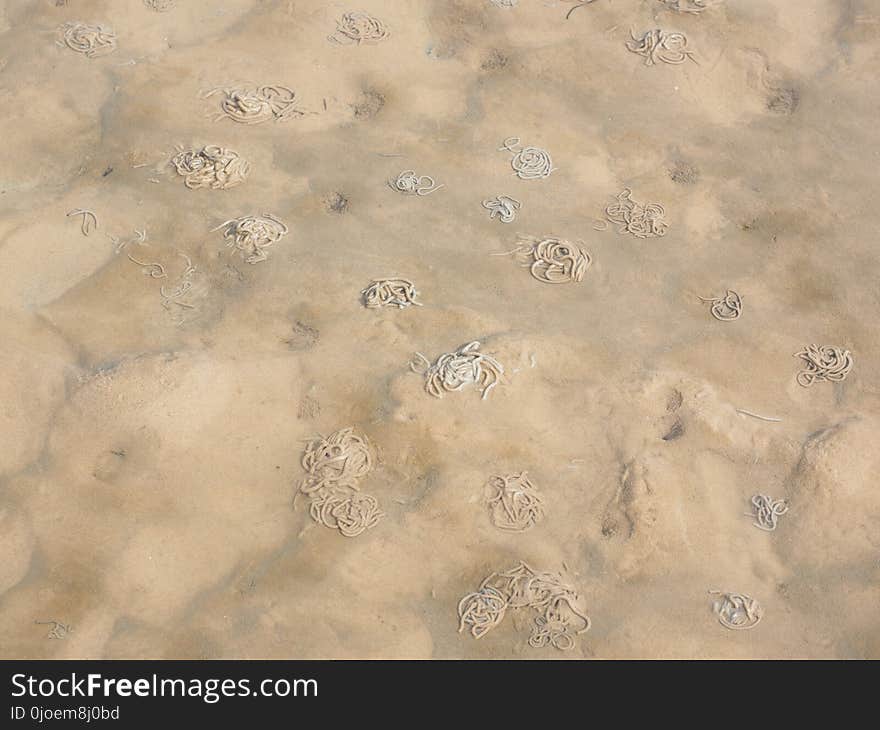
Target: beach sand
{"points": [[151, 451]]}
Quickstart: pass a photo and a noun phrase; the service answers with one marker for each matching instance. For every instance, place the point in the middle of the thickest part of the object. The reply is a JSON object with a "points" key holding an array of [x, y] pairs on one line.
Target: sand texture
{"points": [[163, 372]]}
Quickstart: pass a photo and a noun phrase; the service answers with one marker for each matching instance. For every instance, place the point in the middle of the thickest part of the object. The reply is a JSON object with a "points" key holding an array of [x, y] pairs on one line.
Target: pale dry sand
{"points": [[149, 461]]}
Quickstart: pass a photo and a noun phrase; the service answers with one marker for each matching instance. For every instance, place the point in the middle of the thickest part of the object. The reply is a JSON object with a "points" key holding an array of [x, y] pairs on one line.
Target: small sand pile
{"points": [[394, 292], [642, 221], [251, 234], [515, 503], [254, 106], [767, 511], [737, 610], [335, 466], [823, 362], [551, 260], [357, 27], [90, 40], [212, 167], [726, 308], [528, 163], [409, 183], [559, 619], [660, 45], [502, 206], [454, 370]]}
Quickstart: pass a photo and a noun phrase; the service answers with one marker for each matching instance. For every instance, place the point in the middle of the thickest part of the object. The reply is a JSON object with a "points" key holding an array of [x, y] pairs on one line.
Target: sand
{"points": [[150, 455]]}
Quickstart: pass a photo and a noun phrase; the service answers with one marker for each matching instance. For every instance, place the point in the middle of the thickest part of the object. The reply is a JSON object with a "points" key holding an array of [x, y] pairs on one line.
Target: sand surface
{"points": [[150, 452]]}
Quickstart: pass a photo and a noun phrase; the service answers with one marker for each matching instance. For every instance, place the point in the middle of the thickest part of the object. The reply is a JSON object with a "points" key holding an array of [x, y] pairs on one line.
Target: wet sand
{"points": [[150, 454]]}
